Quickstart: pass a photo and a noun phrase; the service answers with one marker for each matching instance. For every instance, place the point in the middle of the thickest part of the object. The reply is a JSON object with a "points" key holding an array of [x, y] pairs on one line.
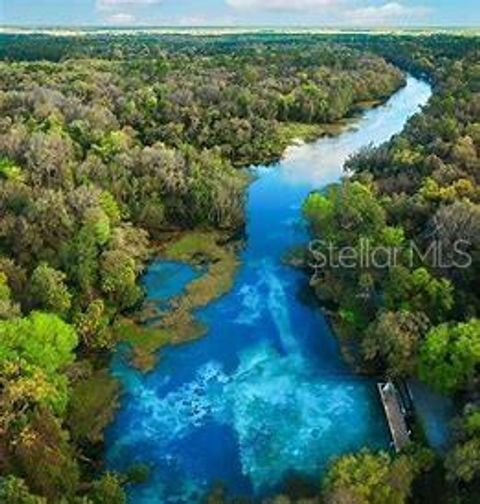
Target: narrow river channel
{"points": [[265, 393]]}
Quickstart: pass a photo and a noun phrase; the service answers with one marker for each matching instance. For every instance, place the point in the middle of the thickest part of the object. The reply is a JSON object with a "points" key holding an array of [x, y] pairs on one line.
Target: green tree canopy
{"points": [[449, 358], [14, 491], [41, 339], [108, 490], [8, 308], [346, 212], [394, 338], [463, 461], [33, 351], [369, 478], [419, 291], [48, 291], [119, 278]]}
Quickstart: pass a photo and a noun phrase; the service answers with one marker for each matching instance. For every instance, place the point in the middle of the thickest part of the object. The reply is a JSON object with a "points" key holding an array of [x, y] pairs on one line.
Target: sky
{"points": [[240, 12]]}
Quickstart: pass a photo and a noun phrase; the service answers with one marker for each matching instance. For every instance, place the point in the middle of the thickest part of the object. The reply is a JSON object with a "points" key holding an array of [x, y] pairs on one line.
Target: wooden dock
{"points": [[395, 415]]}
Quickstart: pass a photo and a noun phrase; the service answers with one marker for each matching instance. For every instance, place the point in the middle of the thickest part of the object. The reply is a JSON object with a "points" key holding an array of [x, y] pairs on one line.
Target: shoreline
{"points": [[143, 357], [150, 340]]}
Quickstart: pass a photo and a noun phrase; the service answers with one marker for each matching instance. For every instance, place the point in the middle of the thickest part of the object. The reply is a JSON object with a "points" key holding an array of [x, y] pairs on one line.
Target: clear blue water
{"points": [[265, 393]]}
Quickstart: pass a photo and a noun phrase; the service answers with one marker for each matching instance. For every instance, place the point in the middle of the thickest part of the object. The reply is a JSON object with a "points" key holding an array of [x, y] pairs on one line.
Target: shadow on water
{"points": [[265, 393]]}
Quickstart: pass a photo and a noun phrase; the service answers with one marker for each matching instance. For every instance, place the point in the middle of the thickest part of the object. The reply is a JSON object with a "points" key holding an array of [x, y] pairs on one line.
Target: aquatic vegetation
{"points": [[110, 144], [294, 131], [220, 261], [264, 392], [177, 323]]}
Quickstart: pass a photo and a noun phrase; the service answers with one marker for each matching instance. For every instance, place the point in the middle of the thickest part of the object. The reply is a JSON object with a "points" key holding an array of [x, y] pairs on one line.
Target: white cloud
{"points": [[113, 4], [343, 11], [120, 18], [200, 20], [389, 13], [282, 5]]}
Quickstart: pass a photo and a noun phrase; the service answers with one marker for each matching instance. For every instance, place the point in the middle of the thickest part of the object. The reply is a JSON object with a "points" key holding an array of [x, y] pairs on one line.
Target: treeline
{"points": [[102, 150], [419, 316], [213, 96]]}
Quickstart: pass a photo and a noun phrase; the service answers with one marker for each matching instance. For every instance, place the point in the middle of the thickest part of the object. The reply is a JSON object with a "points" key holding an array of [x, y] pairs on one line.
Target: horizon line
{"points": [[341, 27]]}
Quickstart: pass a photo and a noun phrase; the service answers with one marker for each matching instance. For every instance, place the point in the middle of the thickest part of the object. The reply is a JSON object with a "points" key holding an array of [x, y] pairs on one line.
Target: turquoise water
{"points": [[166, 279], [265, 394]]}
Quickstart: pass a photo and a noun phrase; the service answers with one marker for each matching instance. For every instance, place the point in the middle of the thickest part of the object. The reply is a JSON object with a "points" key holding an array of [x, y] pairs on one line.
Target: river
{"points": [[265, 393]]}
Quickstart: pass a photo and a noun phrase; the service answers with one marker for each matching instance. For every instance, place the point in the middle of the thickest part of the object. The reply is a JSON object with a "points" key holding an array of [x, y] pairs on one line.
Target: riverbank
{"points": [[294, 132], [267, 353], [216, 253], [215, 257]]}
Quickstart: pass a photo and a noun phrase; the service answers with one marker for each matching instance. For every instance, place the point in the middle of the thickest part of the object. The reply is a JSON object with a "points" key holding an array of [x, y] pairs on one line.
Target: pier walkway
{"points": [[395, 414]]}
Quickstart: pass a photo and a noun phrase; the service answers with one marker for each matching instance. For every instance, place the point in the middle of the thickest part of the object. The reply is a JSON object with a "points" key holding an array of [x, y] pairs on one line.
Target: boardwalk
{"points": [[395, 415]]}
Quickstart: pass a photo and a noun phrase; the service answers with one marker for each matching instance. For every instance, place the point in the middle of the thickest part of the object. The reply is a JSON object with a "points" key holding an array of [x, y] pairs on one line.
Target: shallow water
{"points": [[166, 279], [265, 393]]}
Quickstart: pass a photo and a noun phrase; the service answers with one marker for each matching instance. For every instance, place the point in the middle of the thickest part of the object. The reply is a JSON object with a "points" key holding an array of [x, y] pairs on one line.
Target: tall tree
{"points": [[449, 358]]}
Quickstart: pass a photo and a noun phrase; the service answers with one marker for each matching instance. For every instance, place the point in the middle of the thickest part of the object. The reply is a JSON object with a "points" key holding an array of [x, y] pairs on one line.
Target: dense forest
{"points": [[419, 317], [108, 145], [102, 151]]}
